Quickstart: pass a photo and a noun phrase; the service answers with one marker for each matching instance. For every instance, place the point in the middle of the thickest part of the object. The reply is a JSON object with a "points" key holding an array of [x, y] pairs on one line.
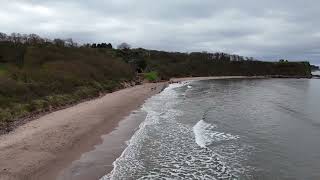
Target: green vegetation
{"points": [[38, 75], [3, 69], [175, 64], [49, 77], [151, 76]]}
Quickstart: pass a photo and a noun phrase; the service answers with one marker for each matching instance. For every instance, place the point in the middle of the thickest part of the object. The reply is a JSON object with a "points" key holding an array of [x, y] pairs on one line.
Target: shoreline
{"points": [[43, 147], [98, 162], [178, 80]]}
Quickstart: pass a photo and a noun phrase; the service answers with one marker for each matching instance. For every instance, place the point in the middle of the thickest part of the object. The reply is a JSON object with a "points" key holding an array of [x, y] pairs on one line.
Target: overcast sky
{"points": [[265, 29]]}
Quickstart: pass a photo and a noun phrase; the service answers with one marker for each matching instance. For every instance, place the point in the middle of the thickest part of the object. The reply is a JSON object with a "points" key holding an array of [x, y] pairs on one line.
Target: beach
{"points": [[83, 141], [46, 148], [41, 148], [51, 146]]}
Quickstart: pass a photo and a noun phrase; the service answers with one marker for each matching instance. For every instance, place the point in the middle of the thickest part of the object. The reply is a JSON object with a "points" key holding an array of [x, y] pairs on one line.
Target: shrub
{"points": [[5, 117], [20, 110], [38, 105], [151, 76], [56, 100]]}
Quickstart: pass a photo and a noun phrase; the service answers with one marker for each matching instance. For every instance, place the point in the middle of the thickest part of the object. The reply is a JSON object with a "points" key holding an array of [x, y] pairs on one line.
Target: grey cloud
{"points": [[266, 29]]}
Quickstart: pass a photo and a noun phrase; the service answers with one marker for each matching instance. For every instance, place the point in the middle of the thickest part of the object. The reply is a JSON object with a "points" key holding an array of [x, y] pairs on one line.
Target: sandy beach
{"points": [[41, 148]]}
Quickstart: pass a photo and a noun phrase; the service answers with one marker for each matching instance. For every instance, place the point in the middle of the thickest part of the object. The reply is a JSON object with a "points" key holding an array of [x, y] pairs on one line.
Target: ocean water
{"points": [[316, 72], [227, 129]]}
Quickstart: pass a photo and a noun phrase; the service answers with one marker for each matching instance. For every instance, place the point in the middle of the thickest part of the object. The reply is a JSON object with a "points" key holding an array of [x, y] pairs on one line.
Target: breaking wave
{"points": [[166, 148], [205, 134]]}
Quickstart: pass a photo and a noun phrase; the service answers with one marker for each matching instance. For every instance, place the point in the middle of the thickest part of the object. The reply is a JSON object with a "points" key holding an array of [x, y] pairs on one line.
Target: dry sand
{"points": [[43, 147]]}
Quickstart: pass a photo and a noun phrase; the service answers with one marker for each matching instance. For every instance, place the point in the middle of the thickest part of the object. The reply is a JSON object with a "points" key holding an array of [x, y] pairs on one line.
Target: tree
{"points": [[102, 45], [70, 42], [109, 46], [24, 38], [35, 39], [94, 45], [3, 36], [124, 46], [47, 41], [87, 45], [16, 38], [141, 64], [59, 42]]}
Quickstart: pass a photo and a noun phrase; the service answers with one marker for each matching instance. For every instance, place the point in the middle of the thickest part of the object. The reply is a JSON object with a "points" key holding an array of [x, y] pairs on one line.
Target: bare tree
{"points": [[3, 36], [69, 42], [34, 39], [15, 38], [24, 38], [47, 41], [124, 46], [59, 42]]}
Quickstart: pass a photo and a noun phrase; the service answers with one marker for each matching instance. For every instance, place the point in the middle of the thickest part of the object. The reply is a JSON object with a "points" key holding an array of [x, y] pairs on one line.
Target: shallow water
{"points": [[227, 129]]}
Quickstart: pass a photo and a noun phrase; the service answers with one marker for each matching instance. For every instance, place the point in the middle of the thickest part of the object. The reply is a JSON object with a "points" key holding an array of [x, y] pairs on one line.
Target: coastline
{"points": [[41, 148], [177, 80]]}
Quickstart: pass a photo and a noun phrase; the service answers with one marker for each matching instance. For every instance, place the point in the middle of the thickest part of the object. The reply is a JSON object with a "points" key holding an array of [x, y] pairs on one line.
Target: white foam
{"points": [[153, 106], [205, 134], [172, 153]]}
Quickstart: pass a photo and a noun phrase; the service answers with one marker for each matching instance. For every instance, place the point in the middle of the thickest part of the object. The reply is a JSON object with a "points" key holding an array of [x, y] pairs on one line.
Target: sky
{"points": [[264, 29]]}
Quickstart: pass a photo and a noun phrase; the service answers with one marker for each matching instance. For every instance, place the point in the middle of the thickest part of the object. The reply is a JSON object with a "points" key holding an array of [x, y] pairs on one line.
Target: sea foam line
{"points": [[134, 144]]}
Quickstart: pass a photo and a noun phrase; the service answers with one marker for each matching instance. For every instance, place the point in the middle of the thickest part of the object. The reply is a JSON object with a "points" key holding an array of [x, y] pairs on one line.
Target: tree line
{"points": [[34, 39]]}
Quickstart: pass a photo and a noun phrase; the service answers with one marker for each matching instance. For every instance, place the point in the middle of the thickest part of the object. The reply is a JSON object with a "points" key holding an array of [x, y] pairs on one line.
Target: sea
{"points": [[316, 72], [246, 129]]}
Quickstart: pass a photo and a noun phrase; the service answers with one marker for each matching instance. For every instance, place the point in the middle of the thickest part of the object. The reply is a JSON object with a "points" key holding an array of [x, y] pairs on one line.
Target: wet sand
{"points": [[98, 162], [47, 147]]}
